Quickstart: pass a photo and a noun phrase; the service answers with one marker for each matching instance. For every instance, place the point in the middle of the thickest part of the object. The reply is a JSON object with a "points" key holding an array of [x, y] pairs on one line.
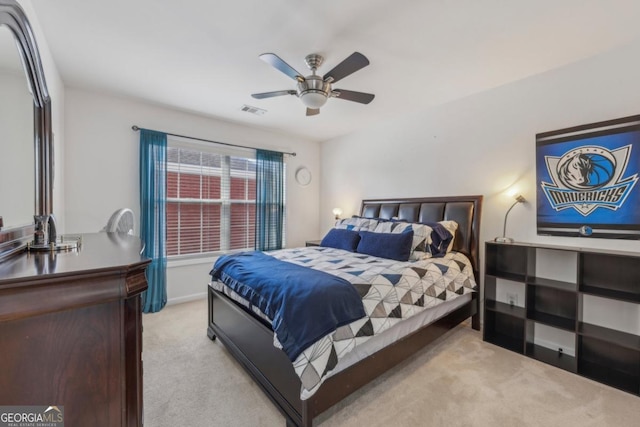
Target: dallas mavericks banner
{"points": [[587, 176]]}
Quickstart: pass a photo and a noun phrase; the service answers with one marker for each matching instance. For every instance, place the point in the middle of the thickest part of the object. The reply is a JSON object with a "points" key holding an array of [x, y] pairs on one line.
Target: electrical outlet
{"points": [[512, 298]]}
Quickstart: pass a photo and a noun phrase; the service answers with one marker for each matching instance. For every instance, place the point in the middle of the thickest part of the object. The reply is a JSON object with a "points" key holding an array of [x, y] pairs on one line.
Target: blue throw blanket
{"points": [[303, 304]]}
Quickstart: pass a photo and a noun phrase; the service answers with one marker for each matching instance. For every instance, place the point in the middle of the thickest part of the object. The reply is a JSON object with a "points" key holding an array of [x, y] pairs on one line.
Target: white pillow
{"points": [[421, 236], [357, 224]]}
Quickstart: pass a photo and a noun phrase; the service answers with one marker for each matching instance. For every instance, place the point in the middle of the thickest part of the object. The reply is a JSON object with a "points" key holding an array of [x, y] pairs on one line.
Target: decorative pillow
{"points": [[341, 239], [421, 236], [452, 226], [441, 239], [357, 224], [395, 246]]}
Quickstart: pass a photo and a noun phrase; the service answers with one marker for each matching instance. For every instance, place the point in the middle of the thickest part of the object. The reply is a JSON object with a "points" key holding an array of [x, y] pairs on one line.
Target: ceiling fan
{"points": [[314, 90]]}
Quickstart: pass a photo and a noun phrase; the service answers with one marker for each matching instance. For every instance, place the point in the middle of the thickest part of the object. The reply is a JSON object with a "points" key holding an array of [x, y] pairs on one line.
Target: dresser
{"points": [[71, 330]]}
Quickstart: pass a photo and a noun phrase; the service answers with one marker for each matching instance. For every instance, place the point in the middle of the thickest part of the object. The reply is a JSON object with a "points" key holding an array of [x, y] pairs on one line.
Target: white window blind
{"points": [[210, 200]]}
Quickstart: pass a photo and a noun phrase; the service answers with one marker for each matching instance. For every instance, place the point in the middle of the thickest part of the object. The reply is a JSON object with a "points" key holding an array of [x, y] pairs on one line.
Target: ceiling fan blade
{"points": [[313, 111], [272, 94], [353, 63], [349, 95], [276, 62]]}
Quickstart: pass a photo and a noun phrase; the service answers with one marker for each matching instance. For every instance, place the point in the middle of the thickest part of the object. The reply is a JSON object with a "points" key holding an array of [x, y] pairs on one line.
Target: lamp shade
{"points": [[313, 99]]}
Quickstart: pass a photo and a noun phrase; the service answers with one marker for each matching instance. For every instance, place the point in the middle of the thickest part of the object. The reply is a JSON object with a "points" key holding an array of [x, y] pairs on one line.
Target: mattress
{"points": [[375, 343], [399, 331]]}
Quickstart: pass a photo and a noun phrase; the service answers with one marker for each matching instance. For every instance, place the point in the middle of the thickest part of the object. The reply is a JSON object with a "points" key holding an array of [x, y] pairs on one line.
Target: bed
{"points": [[250, 338]]}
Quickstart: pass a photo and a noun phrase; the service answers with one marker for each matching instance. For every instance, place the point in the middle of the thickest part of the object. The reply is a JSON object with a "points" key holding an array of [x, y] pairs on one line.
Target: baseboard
{"points": [[186, 298]]}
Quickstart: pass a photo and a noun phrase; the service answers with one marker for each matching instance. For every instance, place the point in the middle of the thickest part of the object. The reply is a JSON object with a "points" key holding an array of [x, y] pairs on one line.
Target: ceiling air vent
{"points": [[253, 110]]}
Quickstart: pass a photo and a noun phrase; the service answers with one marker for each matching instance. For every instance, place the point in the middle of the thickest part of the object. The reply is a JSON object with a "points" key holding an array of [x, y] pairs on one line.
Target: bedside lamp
{"points": [[337, 212], [504, 238]]}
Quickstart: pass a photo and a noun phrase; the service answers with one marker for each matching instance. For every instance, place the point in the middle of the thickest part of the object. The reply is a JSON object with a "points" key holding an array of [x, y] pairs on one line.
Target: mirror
{"points": [[26, 159], [17, 186]]}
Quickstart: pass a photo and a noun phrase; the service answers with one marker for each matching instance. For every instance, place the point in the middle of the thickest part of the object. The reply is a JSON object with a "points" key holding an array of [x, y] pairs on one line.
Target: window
{"points": [[211, 200]]}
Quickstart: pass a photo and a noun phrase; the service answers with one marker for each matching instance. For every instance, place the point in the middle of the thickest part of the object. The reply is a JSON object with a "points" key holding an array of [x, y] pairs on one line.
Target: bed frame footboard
{"points": [[251, 343]]}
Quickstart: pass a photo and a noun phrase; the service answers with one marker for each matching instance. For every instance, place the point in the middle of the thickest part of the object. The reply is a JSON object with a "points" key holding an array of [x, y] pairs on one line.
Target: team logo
{"points": [[587, 178]]}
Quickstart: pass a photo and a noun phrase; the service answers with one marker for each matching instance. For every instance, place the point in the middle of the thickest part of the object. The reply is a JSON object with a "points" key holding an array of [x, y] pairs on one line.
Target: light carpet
{"points": [[458, 380]]}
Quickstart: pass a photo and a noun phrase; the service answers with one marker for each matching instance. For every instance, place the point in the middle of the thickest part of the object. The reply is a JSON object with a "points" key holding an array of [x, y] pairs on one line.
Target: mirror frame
{"points": [[12, 15]]}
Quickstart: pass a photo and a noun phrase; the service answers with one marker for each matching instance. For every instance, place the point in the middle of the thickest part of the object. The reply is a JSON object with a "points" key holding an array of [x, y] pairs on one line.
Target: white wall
{"points": [[101, 161], [482, 144]]}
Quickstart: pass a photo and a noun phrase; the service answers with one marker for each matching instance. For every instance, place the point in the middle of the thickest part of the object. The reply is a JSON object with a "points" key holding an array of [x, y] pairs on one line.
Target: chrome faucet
{"points": [[46, 238], [45, 230], [41, 234]]}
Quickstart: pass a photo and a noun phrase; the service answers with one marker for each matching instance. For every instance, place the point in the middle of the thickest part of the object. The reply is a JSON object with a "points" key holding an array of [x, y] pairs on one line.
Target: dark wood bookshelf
{"points": [[568, 324], [610, 293], [619, 338], [552, 357], [514, 277], [555, 284], [508, 309], [610, 376], [603, 354]]}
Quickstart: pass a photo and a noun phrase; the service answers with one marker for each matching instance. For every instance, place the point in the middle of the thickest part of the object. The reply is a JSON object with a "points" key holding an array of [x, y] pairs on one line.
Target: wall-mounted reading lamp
{"points": [[337, 212], [504, 238]]}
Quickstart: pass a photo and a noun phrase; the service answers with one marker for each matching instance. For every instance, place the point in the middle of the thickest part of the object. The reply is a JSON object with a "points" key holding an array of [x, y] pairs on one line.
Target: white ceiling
{"points": [[202, 55]]}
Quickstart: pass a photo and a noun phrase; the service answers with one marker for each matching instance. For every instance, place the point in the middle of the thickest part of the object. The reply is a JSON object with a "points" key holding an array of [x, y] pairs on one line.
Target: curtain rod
{"points": [[136, 128]]}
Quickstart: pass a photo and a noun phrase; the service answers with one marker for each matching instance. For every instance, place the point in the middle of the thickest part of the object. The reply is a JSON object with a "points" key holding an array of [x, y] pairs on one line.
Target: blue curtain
{"points": [[153, 182], [269, 200]]}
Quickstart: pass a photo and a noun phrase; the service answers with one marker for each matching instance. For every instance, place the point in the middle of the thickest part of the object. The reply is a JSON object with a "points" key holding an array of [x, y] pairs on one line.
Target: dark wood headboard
{"points": [[465, 210]]}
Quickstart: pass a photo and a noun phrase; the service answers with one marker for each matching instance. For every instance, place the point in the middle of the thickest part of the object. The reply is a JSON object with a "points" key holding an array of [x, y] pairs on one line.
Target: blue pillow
{"points": [[341, 238], [386, 245]]}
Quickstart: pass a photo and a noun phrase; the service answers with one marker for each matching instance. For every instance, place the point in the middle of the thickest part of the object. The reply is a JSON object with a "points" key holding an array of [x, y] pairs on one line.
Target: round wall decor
{"points": [[303, 175]]}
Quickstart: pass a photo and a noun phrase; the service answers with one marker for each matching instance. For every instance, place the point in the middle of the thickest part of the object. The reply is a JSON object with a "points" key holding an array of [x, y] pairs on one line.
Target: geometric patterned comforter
{"points": [[390, 290]]}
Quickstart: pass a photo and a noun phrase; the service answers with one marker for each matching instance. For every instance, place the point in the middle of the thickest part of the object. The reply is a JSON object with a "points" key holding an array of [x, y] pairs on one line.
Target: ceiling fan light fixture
{"points": [[313, 98], [314, 90]]}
